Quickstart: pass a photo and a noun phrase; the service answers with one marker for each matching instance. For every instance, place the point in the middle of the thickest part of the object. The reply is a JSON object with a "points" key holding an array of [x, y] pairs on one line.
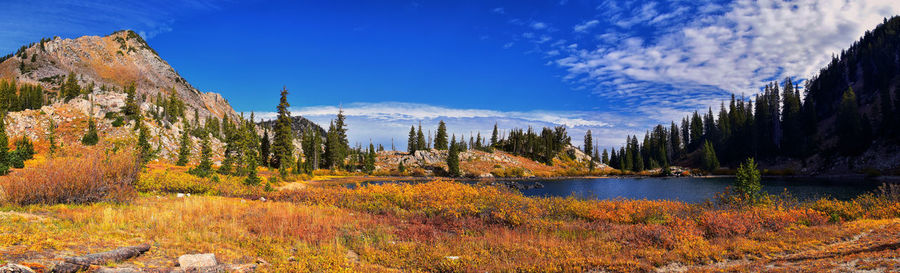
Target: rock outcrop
{"points": [[475, 163]]}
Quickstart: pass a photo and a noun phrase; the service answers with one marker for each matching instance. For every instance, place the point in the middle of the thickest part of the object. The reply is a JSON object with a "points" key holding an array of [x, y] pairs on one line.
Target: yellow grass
{"points": [[444, 226]]}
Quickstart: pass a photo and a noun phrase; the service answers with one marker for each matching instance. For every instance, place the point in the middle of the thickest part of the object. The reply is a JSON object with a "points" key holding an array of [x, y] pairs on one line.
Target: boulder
{"points": [[197, 260]]}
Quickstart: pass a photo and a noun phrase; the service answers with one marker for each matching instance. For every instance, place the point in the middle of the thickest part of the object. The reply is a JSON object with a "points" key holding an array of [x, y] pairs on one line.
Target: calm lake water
{"points": [[691, 190]]}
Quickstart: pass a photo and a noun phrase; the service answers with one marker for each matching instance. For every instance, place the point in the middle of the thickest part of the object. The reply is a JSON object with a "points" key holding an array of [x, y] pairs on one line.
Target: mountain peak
{"points": [[114, 61]]}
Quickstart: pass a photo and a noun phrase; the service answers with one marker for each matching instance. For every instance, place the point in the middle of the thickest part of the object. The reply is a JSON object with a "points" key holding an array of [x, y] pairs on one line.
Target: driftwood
{"points": [[80, 263]]}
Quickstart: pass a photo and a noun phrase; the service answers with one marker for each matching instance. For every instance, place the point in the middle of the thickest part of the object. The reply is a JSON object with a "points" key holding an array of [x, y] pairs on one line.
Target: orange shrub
{"points": [[91, 175]]}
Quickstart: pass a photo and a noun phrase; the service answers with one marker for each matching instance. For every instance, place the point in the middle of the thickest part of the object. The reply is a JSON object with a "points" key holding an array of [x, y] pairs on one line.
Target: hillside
{"points": [[110, 62], [299, 125], [104, 67], [871, 67], [841, 121]]}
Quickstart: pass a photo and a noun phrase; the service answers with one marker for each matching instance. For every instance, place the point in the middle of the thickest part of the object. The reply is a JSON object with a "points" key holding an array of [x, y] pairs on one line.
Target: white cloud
{"points": [[499, 10], [538, 25], [719, 50], [384, 121], [584, 27]]}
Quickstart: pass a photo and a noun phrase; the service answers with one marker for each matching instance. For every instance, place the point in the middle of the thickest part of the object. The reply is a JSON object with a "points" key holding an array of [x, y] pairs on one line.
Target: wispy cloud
{"points": [[584, 27], [651, 58], [381, 122], [538, 25]]}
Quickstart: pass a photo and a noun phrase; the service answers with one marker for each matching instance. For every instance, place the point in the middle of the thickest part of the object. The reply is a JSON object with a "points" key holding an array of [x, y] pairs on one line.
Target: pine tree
{"points": [[70, 89], [264, 147], [146, 151], [184, 150], [232, 150], [440, 140], [412, 142], [132, 109], [90, 138], [51, 138], [588, 143], [25, 148], [849, 124], [420, 139], [340, 127], [696, 129], [453, 159], [792, 141], [605, 157], [4, 146], [747, 181], [675, 143], [333, 159], [283, 145], [709, 161], [204, 169], [370, 159], [494, 137], [312, 145], [252, 177]]}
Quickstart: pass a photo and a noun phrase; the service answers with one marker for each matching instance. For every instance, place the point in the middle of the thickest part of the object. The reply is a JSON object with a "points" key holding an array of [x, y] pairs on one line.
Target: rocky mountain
{"points": [[299, 125], [110, 62], [103, 68]]}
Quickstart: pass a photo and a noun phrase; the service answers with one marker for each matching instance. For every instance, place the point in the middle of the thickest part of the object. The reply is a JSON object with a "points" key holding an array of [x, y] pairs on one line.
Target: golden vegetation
{"points": [[90, 175], [441, 226], [173, 181]]}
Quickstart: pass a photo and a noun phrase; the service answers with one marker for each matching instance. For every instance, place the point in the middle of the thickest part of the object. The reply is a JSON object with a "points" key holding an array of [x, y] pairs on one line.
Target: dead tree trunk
{"points": [[74, 264]]}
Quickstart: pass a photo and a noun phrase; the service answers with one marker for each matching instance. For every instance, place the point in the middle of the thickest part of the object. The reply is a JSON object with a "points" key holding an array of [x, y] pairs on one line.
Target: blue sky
{"points": [[615, 67]]}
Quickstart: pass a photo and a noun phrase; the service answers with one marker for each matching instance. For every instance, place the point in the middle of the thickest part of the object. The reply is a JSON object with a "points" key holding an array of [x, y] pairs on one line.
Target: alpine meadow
{"points": [[450, 136]]}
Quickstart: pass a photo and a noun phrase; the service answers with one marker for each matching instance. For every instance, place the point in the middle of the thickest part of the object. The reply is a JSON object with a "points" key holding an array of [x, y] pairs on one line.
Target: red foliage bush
{"points": [[94, 175]]}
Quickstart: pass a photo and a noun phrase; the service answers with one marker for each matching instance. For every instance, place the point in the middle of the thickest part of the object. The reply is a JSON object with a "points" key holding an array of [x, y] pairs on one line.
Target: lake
{"points": [[686, 189]]}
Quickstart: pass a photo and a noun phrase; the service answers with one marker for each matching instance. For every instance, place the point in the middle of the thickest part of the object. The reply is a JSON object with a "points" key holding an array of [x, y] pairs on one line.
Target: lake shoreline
{"points": [[360, 179]]}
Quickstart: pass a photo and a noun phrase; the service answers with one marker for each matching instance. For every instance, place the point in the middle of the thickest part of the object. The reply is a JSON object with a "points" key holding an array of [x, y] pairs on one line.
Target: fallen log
{"points": [[119, 254], [80, 263]]}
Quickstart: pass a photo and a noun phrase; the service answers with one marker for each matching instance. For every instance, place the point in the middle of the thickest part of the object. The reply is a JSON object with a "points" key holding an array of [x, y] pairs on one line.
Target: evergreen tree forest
{"points": [[17, 97], [785, 122]]}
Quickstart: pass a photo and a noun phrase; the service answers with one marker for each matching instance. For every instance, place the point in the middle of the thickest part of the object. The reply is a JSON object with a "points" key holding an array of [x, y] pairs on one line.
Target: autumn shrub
{"points": [[171, 181], [873, 206], [508, 172], [727, 223], [85, 176], [439, 199], [452, 200], [890, 191]]}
